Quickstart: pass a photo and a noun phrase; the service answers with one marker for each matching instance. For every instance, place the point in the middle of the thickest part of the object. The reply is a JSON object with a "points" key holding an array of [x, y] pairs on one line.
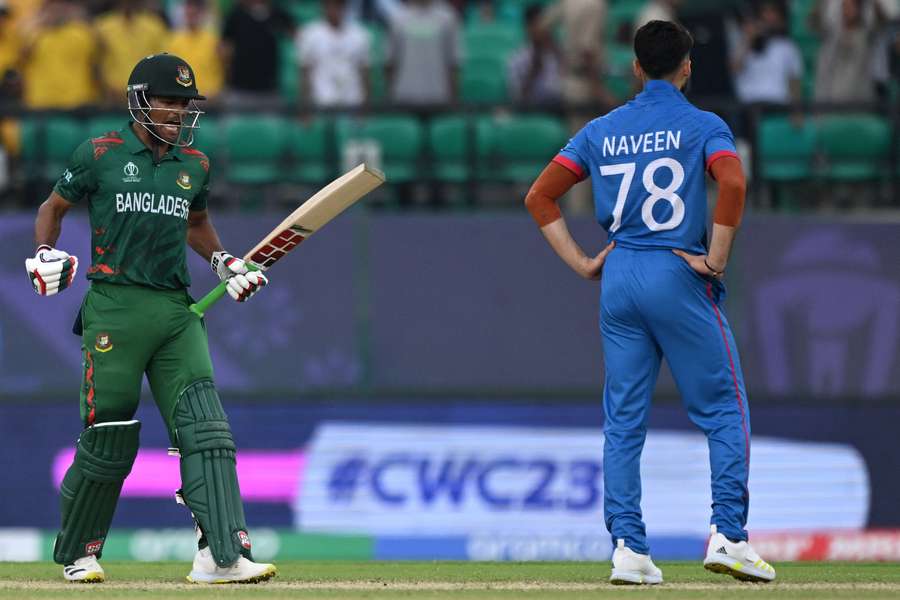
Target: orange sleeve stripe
{"points": [[551, 184], [717, 155], [570, 165], [732, 190]]}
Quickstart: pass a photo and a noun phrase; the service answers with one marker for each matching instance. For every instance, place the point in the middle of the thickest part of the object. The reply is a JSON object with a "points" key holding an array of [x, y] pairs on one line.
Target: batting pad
{"points": [[209, 484], [90, 490]]}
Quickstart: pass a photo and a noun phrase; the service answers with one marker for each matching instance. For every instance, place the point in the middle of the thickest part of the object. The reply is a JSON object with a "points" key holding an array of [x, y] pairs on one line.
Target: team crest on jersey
{"points": [[184, 180], [184, 76], [103, 343], [132, 173]]}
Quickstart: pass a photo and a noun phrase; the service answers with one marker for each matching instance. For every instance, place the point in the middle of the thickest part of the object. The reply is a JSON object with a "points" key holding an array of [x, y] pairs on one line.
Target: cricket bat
{"points": [[324, 206]]}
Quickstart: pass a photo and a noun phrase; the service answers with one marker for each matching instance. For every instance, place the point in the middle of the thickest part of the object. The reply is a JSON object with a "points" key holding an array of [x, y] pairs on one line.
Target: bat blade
{"points": [[324, 206]]}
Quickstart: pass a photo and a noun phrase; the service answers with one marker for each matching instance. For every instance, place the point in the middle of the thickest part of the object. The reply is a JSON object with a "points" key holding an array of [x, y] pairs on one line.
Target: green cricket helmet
{"points": [[164, 76]]}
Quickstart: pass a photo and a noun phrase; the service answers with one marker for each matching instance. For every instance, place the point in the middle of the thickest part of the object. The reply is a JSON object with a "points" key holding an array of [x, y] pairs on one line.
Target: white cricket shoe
{"points": [[205, 570], [631, 568], [84, 570], [736, 559]]}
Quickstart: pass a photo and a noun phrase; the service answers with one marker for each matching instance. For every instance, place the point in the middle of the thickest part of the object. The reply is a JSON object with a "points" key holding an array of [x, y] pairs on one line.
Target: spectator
{"points": [[10, 41], [657, 10], [198, 43], [844, 66], [126, 35], [533, 73], [766, 63], [59, 31], [333, 54], [251, 46], [582, 24], [424, 53]]}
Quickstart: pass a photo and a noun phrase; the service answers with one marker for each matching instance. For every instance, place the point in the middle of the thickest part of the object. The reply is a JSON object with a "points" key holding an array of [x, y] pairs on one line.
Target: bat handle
{"points": [[203, 305], [208, 300]]}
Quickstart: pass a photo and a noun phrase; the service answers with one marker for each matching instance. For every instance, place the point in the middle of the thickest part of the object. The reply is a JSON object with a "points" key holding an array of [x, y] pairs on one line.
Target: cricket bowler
{"points": [[146, 191], [661, 292]]}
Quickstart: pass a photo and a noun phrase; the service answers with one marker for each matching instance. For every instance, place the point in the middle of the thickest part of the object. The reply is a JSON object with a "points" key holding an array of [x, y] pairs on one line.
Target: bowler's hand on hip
{"points": [[593, 267], [700, 264], [240, 282], [51, 270]]}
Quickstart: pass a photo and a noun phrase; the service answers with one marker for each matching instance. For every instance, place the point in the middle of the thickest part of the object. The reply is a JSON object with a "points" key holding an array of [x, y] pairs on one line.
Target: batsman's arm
{"points": [[48, 224], [542, 203], [201, 234]]}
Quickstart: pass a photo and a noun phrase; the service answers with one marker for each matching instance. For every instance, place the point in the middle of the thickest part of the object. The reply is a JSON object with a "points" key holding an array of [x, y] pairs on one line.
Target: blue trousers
{"points": [[652, 304]]}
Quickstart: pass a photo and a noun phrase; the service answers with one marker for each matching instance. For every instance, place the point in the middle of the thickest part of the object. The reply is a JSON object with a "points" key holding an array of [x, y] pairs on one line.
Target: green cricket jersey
{"points": [[138, 209]]}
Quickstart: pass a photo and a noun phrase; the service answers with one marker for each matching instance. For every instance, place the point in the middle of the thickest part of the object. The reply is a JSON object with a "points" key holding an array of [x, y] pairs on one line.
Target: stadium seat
{"points": [[855, 147], [484, 81], [254, 147], [207, 137], [101, 125], [620, 78], [288, 75], [786, 151], [451, 147], [49, 144], [621, 14], [399, 138], [523, 145], [491, 40], [309, 151]]}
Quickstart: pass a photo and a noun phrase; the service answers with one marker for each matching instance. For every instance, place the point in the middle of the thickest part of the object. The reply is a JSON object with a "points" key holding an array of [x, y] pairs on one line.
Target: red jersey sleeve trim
{"points": [[570, 165], [720, 154]]}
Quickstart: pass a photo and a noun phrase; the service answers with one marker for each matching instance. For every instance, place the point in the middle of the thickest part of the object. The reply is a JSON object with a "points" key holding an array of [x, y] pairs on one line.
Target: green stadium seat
{"points": [[309, 151], [799, 17], [207, 137], [482, 89], [786, 152], [288, 72], [399, 138], [620, 78], [491, 40], [523, 145], [619, 15], [61, 135], [855, 147], [102, 125], [304, 11], [254, 147], [451, 146]]}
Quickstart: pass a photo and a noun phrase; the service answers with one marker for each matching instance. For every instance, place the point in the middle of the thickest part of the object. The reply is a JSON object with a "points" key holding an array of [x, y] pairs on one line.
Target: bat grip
{"points": [[208, 300], [204, 304]]}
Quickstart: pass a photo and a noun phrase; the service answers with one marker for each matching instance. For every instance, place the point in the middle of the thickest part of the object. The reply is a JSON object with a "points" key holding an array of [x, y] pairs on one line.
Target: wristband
{"points": [[714, 272]]}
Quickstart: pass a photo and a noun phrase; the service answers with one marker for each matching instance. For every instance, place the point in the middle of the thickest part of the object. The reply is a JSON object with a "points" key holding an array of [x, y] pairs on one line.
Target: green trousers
{"points": [[130, 330]]}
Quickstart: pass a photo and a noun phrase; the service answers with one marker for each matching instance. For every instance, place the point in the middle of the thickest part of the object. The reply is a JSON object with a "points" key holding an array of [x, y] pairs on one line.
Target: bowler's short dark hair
{"points": [[660, 46]]}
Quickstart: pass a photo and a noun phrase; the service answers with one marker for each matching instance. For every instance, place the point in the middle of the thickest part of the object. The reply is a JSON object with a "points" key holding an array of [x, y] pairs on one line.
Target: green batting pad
{"points": [[103, 458], [209, 484]]}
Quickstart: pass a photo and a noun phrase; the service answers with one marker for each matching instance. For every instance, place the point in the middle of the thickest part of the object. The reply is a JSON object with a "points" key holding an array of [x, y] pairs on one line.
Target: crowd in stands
{"points": [[65, 53], [571, 58]]}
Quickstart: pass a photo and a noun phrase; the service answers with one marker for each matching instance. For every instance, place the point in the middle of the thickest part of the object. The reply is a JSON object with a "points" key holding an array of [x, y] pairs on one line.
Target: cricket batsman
{"points": [[146, 191], [661, 292]]}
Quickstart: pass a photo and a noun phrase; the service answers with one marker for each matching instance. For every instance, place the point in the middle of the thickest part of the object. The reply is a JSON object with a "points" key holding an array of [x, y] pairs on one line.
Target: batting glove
{"points": [[51, 270], [240, 282]]}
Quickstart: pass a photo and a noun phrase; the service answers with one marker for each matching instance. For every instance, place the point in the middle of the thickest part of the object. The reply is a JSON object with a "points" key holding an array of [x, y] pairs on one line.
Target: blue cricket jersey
{"points": [[647, 161]]}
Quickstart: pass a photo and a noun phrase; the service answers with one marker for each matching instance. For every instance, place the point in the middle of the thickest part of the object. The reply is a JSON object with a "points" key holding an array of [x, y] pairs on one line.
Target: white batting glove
{"points": [[51, 270], [240, 282]]}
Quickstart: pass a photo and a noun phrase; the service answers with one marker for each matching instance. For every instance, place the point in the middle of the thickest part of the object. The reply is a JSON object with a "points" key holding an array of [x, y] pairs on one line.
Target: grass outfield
{"points": [[444, 580]]}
